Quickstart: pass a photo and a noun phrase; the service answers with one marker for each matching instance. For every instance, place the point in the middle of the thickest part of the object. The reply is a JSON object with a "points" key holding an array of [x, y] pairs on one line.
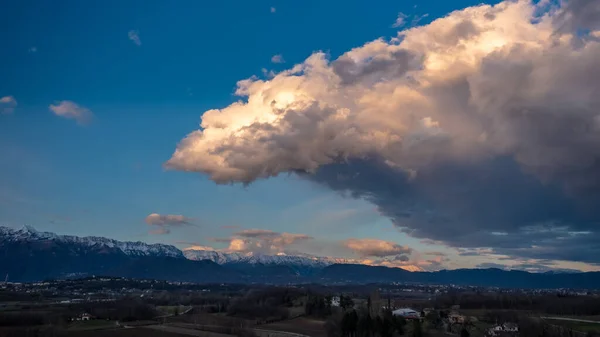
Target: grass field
{"points": [[172, 309], [212, 319], [301, 325], [95, 324], [137, 332]]}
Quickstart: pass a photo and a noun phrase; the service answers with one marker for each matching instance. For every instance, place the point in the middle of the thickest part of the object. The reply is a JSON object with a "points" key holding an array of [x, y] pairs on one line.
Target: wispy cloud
{"points": [[134, 36], [32, 49], [277, 59], [400, 20], [71, 110], [164, 222], [273, 9], [7, 104], [268, 73]]}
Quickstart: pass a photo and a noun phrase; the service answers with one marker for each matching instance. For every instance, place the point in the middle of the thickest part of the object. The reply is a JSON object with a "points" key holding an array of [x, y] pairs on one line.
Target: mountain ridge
{"points": [[253, 258], [29, 255], [29, 233]]}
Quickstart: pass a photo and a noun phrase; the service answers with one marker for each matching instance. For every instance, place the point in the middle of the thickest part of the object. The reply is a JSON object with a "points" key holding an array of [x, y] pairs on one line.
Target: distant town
{"points": [[102, 306]]}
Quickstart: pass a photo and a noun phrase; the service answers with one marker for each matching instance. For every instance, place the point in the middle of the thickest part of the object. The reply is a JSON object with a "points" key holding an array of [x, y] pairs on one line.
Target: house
{"points": [[335, 301], [503, 330], [407, 313], [83, 317]]}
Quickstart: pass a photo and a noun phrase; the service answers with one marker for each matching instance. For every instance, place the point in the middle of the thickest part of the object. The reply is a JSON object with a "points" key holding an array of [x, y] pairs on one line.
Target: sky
{"points": [[424, 135]]}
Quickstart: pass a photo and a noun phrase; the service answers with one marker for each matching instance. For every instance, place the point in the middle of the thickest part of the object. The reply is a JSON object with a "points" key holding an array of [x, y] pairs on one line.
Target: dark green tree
{"points": [[346, 302], [417, 328]]}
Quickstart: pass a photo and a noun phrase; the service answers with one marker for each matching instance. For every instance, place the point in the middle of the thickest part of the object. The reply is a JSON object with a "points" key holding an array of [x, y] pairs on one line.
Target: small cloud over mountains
{"points": [[162, 224], [375, 247]]}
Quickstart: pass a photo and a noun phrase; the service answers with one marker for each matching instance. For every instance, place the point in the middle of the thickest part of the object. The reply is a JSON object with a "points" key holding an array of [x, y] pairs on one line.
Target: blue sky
{"points": [[104, 177]]}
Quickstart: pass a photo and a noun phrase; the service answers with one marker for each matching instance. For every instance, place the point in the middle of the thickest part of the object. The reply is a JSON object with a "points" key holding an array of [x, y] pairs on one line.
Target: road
{"points": [[571, 319]]}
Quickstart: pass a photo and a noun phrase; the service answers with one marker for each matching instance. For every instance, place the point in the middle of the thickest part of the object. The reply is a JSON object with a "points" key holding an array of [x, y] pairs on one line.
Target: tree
{"points": [[353, 318], [346, 325], [434, 319], [346, 302], [398, 323], [417, 329], [365, 325]]}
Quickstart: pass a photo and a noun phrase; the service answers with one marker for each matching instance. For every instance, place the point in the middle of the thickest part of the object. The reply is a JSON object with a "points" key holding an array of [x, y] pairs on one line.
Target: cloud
{"points": [[277, 59], [160, 231], [164, 223], [134, 36], [417, 18], [32, 49], [199, 247], [375, 247], [273, 9], [72, 110], [480, 129], [370, 251], [257, 233], [263, 241], [268, 73], [534, 267], [400, 20], [7, 104], [435, 253]]}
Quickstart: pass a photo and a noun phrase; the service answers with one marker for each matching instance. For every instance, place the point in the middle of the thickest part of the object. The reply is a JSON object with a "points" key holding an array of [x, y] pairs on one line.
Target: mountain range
{"points": [[30, 255], [251, 258]]}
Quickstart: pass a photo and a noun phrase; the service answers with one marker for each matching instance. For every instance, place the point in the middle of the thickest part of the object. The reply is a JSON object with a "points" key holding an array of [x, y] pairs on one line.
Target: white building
{"points": [[407, 313]]}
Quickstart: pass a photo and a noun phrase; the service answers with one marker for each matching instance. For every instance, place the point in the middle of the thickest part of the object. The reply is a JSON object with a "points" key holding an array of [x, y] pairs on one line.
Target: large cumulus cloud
{"points": [[480, 129]]}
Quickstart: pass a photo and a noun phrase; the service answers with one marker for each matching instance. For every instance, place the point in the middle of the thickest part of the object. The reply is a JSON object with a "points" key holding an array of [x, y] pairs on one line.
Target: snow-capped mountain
{"points": [[30, 234], [223, 258], [29, 255]]}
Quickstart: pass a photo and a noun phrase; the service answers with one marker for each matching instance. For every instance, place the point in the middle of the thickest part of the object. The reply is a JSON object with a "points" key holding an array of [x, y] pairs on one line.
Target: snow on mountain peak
{"points": [[197, 253], [30, 229], [254, 258], [29, 233]]}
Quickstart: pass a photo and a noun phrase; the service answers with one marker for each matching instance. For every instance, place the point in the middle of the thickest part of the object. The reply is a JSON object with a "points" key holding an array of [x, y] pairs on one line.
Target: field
{"points": [[95, 324], [301, 325], [136, 332], [211, 319], [172, 309]]}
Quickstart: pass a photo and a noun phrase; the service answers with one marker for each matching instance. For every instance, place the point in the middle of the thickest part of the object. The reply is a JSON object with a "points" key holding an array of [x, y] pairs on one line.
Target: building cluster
{"points": [[505, 329]]}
